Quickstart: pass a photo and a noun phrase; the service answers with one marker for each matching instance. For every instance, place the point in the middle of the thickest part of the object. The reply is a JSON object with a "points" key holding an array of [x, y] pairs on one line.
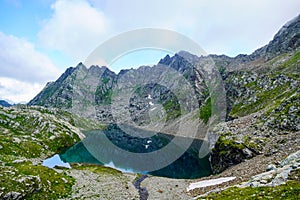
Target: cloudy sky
{"points": [[39, 39]]}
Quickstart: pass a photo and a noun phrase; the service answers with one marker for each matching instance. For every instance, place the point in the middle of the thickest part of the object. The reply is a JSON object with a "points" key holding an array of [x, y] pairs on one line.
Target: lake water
{"points": [[55, 161], [150, 153]]}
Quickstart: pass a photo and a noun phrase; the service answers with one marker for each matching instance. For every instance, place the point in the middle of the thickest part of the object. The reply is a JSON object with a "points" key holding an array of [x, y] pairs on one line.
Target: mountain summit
{"points": [[90, 92], [286, 40]]}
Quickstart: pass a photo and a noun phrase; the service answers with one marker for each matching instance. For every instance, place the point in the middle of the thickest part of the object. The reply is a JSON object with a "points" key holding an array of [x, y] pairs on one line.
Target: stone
{"points": [[295, 166], [291, 159], [263, 181], [281, 178], [52, 137], [18, 161], [64, 180], [254, 184], [247, 153], [13, 196], [17, 140], [271, 167]]}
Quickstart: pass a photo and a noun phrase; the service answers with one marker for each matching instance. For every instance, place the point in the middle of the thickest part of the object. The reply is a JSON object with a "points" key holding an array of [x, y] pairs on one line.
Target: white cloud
{"points": [[75, 28], [229, 27], [23, 69], [20, 60], [18, 91]]}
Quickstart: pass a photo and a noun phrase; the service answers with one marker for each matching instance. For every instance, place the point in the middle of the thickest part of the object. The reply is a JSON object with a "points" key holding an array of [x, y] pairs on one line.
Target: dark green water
{"points": [[153, 153]]}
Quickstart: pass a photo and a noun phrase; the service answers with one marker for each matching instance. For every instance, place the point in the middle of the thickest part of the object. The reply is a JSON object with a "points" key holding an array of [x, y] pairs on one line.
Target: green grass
{"points": [[270, 99], [25, 134], [264, 99], [103, 95], [172, 108], [27, 149], [205, 111], [105, 80], [98, 169], [37, 182], [290, 65], [226, 144], [290, 190]]}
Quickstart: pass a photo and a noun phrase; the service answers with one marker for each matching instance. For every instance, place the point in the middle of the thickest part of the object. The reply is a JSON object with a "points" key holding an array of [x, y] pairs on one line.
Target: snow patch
{"points": [[207, 183]]}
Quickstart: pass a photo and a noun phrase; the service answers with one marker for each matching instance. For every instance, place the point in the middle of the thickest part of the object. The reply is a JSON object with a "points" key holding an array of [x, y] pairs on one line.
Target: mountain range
{"points": [[100, 94]]}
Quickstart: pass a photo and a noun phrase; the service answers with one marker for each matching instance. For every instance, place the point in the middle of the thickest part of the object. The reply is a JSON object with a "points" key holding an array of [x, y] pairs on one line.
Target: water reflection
{"points": [[111, 147]]}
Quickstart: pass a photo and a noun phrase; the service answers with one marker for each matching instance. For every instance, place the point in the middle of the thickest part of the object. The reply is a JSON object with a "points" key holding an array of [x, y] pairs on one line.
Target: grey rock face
{"points": [[287, 39], [271, 167], [291, 159], [90, 92], [276, 175], [98, 93], [13, 196]]}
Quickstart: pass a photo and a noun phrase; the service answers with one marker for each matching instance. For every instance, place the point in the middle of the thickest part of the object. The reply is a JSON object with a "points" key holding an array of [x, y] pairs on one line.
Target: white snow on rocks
{"points": [[207, 183]]}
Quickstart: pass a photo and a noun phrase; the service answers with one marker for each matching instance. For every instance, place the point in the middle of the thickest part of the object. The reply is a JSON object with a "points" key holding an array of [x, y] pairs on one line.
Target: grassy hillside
{"points": [[28, 135]]}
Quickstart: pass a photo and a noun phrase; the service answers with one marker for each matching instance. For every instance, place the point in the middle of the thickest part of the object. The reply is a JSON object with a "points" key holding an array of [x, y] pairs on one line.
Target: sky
{"points": [[40, 39]]}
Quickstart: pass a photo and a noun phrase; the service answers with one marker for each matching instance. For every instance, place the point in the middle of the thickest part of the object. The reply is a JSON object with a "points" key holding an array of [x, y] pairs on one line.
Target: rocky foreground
{"points": [[23, 176]]}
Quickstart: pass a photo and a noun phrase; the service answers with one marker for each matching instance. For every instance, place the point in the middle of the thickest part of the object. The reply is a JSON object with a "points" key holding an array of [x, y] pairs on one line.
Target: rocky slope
{"points": [[265, 109], [277, 181]]}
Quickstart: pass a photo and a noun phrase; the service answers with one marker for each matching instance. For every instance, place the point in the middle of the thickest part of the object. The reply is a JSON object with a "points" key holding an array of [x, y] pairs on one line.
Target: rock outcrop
{"points": [[276, 175]]}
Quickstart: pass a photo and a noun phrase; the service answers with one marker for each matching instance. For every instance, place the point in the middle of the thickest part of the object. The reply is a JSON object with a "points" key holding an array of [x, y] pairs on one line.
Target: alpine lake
{"points": [[134, 150]]}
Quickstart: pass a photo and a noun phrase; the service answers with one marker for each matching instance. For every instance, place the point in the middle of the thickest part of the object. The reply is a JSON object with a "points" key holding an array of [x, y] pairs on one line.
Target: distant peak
{"points": [[285, 40], [184, 53], [166, 60], [288, 25], [81, 66], [93, 67]]}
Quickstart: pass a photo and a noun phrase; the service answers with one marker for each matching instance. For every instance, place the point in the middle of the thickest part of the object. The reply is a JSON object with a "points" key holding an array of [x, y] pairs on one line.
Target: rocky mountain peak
{"points": [[166, 60], [98, 84], [287, 39], [81, 66]]}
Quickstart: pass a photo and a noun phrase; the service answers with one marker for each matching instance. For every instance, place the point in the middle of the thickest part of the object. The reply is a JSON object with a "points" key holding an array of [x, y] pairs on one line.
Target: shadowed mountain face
{"points": [[4, 103]]}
